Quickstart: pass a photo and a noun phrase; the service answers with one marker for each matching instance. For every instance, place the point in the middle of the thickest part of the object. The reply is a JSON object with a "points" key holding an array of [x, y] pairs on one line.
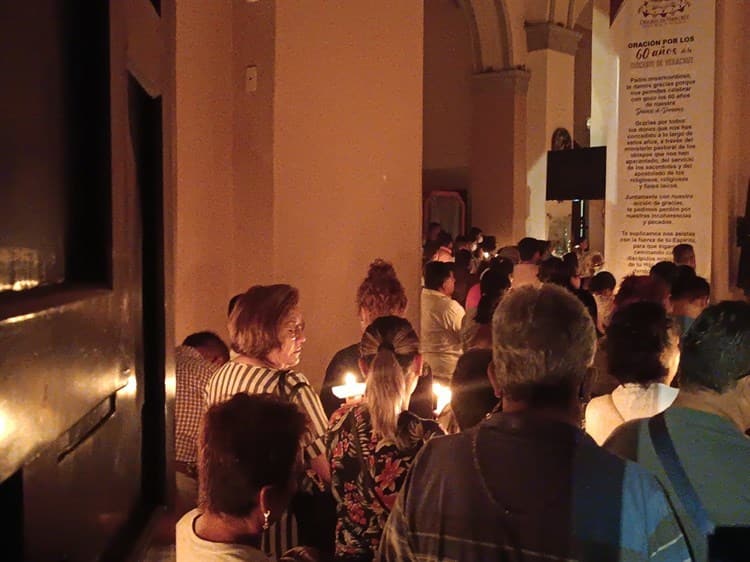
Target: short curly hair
{"points": [[381, 293]]}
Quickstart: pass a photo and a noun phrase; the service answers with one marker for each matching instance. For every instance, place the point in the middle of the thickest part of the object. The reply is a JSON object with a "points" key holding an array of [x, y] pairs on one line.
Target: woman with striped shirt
{"points": [[266, 329]]}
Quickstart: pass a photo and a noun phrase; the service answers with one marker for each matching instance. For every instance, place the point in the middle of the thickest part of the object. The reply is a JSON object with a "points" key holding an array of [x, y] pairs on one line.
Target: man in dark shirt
{"points": [[528, 483]]}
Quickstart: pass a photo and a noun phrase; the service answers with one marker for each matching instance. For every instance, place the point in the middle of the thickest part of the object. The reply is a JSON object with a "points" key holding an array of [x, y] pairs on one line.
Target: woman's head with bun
{"points": [[380, 293]]}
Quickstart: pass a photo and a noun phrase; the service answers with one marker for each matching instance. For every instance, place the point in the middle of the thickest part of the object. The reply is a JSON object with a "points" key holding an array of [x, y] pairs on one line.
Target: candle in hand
{"points": [[350, 389], [443, 395]]}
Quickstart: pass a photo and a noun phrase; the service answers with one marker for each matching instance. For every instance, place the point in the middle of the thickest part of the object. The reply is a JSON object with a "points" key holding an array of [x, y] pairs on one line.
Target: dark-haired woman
{"points": [[371, 443], [476, 327], [249, 465], [643, 354]]}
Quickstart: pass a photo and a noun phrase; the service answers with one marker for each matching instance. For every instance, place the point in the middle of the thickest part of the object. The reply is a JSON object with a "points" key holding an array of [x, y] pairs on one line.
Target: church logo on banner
{"points": [[659, 12]]}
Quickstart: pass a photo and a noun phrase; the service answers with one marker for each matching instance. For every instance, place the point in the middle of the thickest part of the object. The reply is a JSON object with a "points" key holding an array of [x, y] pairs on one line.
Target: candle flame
{"points": [[443, 394]]}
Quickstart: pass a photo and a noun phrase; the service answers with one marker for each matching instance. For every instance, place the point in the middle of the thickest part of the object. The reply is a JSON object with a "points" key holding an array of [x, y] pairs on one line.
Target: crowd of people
{"points": [[589, 419]]}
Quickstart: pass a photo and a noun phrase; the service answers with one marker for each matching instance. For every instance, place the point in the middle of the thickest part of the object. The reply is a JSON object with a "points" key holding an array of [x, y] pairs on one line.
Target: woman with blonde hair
{"points": [[371, 443]]}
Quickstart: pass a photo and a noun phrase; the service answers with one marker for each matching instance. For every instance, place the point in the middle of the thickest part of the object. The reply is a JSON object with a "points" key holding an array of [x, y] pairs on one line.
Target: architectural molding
{"points": [[551, 36], [509, 79]]}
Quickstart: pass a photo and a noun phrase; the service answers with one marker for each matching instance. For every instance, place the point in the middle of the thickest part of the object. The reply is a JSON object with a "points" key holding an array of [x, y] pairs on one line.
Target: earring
{"points": [[266, 515]]}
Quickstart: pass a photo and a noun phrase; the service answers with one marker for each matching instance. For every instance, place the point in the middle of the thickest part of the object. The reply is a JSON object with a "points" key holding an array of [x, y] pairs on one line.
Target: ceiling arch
{"points": [[498, 27]]}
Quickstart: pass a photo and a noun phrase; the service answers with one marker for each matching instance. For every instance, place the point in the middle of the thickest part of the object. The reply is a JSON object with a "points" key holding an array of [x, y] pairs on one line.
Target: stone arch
{"points": [[498, 29]]}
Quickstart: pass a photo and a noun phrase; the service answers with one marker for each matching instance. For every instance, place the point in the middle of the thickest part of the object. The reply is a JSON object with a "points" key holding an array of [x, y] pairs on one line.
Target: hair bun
{"points": [[382, 269]]}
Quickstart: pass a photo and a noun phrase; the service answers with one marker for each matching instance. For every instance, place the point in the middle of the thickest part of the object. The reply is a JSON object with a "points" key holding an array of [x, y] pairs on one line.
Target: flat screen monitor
{"points": [[578, 173]]}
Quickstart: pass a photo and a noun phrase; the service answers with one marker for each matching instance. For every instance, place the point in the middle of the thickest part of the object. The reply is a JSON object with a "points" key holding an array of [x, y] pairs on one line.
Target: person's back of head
{"points": [[433, 229], [430, 250], [502, 264], [232, 302], [683, 272], [435, 274], [715, 350], [247, 444], [554, 270], [511, 253], [684, 254], [445, 239], [571, 261], [638, 342], [475, 234], [666, 271], [492, 286], [528, 249], [388, 350], [635, 288], [462, 261], [472, 394], [463, 242], [543, 343], [603, 283], [691, 288], [489, 244], [209, 345], [380, 293]]}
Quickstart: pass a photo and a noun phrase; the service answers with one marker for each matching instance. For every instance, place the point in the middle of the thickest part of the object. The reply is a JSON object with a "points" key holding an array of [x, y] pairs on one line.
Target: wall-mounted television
{"points": [[578, 173]]}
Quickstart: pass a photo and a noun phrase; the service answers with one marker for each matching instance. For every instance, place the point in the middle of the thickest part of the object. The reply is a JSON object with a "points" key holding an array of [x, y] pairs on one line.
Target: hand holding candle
{"points": [[443, 395], [350, 389]]}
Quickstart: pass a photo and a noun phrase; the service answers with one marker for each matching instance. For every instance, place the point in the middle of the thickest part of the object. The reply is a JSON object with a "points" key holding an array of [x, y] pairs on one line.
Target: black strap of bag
{"points": [[664, 447], [313, 506], [282, 387]]}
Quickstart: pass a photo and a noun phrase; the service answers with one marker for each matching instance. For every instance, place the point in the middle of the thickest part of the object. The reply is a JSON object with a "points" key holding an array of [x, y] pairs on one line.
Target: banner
{"points": [[660, 189]]}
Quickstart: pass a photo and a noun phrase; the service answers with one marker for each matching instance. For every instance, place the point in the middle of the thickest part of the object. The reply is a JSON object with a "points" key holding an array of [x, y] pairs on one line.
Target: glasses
{"points": [[295, 331]]}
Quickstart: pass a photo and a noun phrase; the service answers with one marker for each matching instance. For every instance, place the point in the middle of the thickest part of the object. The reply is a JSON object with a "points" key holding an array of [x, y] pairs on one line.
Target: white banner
{"points": [[659, 192]]}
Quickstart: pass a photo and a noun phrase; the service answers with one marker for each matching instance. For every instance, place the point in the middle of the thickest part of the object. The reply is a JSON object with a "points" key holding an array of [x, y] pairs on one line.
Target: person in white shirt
{"points": [[441, 320], [525, 272], [643, 354], [249, 464]]}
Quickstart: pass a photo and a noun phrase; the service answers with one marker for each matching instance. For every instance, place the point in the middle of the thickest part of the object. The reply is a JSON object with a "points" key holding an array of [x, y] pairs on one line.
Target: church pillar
{"points": [[551, 62], [498, 158]]}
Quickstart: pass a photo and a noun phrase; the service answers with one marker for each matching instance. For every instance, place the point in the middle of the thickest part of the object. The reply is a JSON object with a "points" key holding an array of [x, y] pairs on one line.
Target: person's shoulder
{"points": [[294, 378], [346, 353], [189, 358], [184, 533], [343, 360], [421, 427], [623, 441], [338, 417], [445, 447], [455, 306], [598, 403]]}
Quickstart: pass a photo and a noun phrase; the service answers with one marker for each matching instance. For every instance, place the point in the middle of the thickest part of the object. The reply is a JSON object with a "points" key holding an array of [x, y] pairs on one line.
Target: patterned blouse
{"points": [[364, 502]]}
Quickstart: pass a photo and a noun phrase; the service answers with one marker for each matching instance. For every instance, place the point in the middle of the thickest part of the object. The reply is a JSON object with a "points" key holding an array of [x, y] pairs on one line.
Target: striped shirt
{"points": [[234, 377], [192, 373], [514, 488]]}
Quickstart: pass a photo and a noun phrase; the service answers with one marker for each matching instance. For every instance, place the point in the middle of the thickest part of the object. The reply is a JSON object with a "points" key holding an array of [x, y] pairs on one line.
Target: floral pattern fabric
{"points": [[364, 502]]}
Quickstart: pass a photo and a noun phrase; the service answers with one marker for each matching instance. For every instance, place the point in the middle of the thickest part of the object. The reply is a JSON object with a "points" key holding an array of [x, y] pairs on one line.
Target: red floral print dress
{"points": [[364, 500]]}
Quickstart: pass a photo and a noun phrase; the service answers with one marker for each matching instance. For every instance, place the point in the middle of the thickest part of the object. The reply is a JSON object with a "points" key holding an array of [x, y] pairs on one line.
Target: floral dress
{"points": [[364, 499]]}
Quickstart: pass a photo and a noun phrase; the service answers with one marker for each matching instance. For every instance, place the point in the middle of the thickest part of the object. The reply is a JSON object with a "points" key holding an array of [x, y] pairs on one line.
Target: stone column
{"points": [[551, 61], [498, 160]]}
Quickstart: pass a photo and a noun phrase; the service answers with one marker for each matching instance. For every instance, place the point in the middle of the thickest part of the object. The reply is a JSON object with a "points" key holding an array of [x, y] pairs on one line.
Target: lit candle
{"points": [[350, 389], [443, 395]]}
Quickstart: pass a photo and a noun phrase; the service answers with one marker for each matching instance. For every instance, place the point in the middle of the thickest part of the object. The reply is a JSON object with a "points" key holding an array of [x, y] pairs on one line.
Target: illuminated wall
{"points": [[308, 178]]}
